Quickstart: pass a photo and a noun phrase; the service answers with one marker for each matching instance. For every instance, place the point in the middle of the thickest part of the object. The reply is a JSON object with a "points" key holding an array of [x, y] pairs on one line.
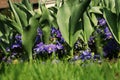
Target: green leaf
{"points": [[95, 2], [111, 20], [28, 36], [27, 4], [68, 16], [24, 9], [78, 32], [95, 9], [109, 4], [93, 18], [63, 16], [88, 29], [22, 16], [46, 34], [117, 7], [15, 13], [46, 16], [10, 23]]}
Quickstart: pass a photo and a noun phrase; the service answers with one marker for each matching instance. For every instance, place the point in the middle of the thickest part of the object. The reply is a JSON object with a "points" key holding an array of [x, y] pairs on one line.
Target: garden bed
{"points": [[77, 39]]}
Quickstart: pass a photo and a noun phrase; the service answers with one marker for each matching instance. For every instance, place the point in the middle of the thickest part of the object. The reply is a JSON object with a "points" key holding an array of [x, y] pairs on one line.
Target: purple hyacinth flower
{"points": [[107, 33], [15, 46], [59, 46], [101, 22], [50, 48], [53, 30], [76, 57], [111, 48], [39, 31], [86, 55], [18, 38], [58, 34], [91, 40], [62, 40], [8, 49], [99, 30], [39, 47]]}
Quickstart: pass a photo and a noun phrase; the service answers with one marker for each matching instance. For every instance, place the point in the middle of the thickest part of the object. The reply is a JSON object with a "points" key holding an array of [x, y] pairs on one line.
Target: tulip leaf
{"points": [[27, 4], [46, 33], [68, 16], [28, 36], [15, 13], [88, 29], [111, 20]]}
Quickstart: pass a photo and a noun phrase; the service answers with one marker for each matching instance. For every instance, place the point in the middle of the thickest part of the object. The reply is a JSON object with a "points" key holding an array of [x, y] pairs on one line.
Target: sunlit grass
{"points": [[60, 71]]}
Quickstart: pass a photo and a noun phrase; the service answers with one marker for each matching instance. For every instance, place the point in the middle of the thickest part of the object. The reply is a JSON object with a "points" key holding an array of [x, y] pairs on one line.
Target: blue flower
{"points": [[91, 40], [101, 22], [75, 58], [39, 32], [58, 34], [59, 46], [50, 48], [16, 47], [107, 33], [111, 49], [53, 30], [39, 48], [86, 55], [18, 38]]}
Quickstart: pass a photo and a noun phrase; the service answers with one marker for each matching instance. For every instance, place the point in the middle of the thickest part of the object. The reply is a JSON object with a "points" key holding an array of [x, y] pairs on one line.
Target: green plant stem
{"points": [[6, 53], [30, 56], [99, 46], [71, 52]]}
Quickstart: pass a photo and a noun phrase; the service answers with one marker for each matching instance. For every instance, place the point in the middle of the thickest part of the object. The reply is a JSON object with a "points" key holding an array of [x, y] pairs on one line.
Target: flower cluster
{"points": [[14, 50], [111, 49], [110, 46], [106, 32], [56, 43], [49, 48]]}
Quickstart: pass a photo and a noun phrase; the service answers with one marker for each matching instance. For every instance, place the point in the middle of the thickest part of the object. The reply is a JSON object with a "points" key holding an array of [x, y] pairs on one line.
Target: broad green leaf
{"points": [[78, 32], [29, 34], [88, 29], [27, 4], [25, 10], [22, 16], [15, 13], [109, 4], [58, 2], [112, 5], [46, 34], [2, 18], [68, 16], [117, 7], [10, 23], [46, 16], [111, 20], [63, 16], [95, 2], [93, 18], [95, 10]]}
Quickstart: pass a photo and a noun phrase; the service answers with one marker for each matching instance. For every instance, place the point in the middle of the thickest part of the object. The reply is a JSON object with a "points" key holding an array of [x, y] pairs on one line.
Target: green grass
{"points": [[60, 71]]}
